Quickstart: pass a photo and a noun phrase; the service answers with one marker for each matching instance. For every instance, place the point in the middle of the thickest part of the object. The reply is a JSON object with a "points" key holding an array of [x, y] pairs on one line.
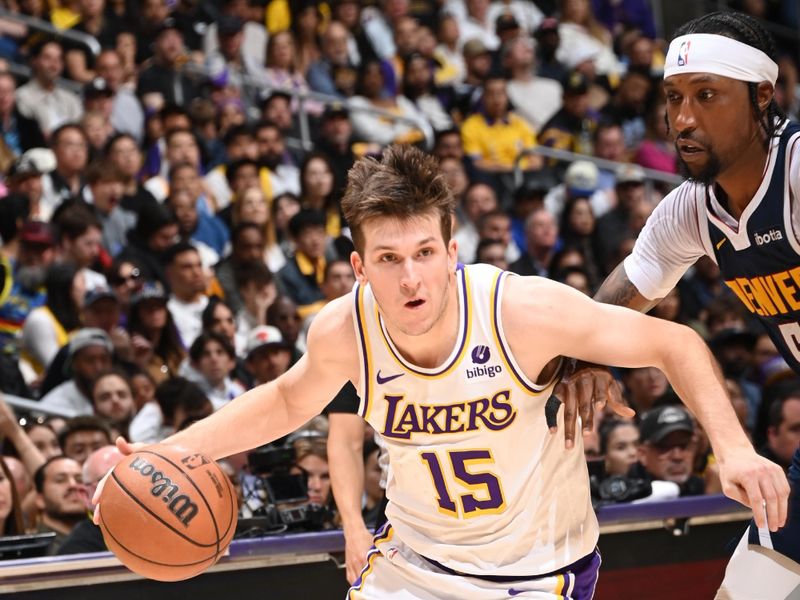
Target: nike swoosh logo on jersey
{"points": [[388, 378]]}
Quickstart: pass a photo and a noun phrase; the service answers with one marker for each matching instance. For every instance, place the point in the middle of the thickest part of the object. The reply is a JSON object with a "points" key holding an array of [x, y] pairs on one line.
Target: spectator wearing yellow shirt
{"points": [[494, 136]]}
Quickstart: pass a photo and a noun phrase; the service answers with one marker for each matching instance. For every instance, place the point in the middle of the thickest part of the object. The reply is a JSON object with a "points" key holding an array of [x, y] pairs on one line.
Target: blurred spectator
{"points": [[311, 461], [71, 148], [419, 87], [213, 358], [163, 79], [281, 71], [494, 137], [335, 73], [317, 191], [112, 398], [80, 242], [123, 152], [126, 112], [348, 13], [105, 190], [478, 199], [336, 143], [95, 21], [47, 327], [25, 179], [125, 279], [656, 151], [268, 356], [143, 387], [284, 315], [733, 348], [478, 65], [572, 127], [643, 387], [783, 430], [83, 435], [43, 438], [230, 67], [373, 128], [667, 449], [36, 251], [283, 174], [247, 246], [581, 180], [627, 14], [609, 144], [86, 536], [59, 498], [206, 232], [580, 34], [41, 99], [303, 273], [284, 207], [612, 226], [187, 290], [379, 23], [496, 225], [536, 99], [448, 51], [628, 106], [101, 310], [11, 518], [254, 44], [740, 405], [177, 400], [239, 142], [491, 252], [257, 289], [305, 25], [476, 24], [180, 147], [619, 442], [574, 277], [89, 355], [577, 230], [541, 234], [547, 43], [157, 346], [19, 132]]}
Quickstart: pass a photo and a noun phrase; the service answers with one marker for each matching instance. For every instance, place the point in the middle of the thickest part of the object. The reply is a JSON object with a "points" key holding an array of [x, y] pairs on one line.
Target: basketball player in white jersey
{"points": [[742, 157], [454, 366]]}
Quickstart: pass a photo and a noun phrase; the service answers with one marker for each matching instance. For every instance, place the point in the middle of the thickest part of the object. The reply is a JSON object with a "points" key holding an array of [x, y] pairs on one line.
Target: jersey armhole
{"points": [[507, 356], [360, 326]]}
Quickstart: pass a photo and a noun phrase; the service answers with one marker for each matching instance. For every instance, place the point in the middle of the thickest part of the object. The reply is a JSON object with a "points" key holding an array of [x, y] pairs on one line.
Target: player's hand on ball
{"points": [[758, 483], [584, 389], [357, 544], [126, 448]]}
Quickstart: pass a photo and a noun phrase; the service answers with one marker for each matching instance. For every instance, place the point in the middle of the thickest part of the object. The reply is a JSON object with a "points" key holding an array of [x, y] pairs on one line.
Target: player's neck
{"points": [[741, 180]]}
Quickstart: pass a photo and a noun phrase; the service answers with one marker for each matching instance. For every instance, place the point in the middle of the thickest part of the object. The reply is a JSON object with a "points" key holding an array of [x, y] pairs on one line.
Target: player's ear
{"points": [[452, 255], [764, 94], [358, 267]]}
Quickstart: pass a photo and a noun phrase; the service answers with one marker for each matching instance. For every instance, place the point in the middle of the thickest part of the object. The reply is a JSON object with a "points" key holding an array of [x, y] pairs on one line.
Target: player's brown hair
{"points": [[405, 183]]}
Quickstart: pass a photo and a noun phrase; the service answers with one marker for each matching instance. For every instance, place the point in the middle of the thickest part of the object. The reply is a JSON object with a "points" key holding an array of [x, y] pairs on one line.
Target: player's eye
{"points": [[387, 258], [426, 252], [706, 94], [672, 97]]}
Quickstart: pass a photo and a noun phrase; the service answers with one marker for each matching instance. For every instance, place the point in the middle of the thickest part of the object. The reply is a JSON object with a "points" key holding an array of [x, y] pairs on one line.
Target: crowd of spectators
{"points": [[170, 217]]}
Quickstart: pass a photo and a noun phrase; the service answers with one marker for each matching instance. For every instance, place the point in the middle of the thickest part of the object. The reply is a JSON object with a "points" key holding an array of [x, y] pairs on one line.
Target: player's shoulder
{"points": [[334, 319]]}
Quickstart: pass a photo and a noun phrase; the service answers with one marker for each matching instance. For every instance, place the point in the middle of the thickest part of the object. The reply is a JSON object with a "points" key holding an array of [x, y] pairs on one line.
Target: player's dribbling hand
{"points": [[584, 389], [758, 483], [357, 544], [126, 448]]}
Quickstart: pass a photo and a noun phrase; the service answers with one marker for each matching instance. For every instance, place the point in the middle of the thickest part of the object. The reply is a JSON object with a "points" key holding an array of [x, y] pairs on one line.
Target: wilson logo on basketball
{"points": [[178, 504]]}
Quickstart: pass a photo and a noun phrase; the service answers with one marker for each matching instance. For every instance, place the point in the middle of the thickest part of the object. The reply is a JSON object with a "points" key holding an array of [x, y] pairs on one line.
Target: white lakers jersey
{"points": [[476, 481]]}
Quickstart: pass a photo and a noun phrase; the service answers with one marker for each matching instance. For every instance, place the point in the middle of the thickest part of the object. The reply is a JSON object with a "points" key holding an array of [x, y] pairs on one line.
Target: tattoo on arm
{"points": [[617, 289]]}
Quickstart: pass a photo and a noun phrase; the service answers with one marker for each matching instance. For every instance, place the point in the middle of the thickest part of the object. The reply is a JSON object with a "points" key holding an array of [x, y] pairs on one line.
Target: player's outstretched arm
{"points": [[279, 407], [565, 322]]}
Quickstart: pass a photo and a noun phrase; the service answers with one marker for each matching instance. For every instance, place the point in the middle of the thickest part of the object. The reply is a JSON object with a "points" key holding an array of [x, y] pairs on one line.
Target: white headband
{"points": [[720, 55]]}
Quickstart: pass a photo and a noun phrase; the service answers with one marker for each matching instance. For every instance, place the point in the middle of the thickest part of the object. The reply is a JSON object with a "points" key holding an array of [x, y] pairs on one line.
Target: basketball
{"points": [[168, 513]]}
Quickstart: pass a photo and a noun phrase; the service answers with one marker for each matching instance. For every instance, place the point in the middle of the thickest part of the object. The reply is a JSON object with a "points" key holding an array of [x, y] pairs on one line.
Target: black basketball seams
{"points": [[194, 485], [162, 521], [107, 530]]}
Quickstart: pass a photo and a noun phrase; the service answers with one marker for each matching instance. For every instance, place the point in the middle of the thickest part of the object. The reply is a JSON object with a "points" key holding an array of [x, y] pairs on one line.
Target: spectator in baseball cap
{"points": [[268, 355]]}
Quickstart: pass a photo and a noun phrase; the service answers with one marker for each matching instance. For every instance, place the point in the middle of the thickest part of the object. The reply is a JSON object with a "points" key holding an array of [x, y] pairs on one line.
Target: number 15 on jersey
{"points": [[483, 492]]}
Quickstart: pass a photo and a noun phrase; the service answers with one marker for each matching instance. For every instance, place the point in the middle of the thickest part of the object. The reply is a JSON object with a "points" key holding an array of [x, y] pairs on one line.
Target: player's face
{"points": [[410, 269], [621, 451], [711, 120]]}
